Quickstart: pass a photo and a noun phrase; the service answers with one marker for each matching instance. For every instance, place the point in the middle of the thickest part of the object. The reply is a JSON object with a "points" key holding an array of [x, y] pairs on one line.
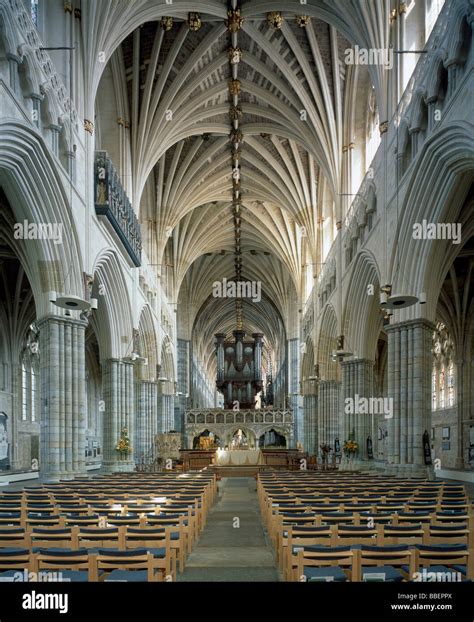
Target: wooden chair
{"points": [[73, 565], [385, 563], [132, 565], [157, 541], [94, 537], [14, 537], [295, 537], [43, 537], [318, 563], [455, 562], [15, 560], [390, 535]]}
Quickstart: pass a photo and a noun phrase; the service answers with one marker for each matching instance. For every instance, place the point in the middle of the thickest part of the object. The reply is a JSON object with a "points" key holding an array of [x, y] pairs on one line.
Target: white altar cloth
{"points": [[240, 457]]}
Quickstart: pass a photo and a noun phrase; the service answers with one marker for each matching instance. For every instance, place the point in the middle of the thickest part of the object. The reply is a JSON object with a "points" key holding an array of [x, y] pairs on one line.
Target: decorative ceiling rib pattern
{"points": [[294, 93]]}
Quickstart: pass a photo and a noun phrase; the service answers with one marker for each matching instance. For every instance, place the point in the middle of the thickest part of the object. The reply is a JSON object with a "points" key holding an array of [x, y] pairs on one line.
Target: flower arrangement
{"points": [[350, 447], [123, 445]]}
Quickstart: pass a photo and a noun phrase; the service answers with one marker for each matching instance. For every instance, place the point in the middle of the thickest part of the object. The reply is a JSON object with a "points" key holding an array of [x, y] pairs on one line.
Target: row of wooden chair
{"points": [[164, 520], [82, 565], [382, 563], [294, 537], [316, 520]]}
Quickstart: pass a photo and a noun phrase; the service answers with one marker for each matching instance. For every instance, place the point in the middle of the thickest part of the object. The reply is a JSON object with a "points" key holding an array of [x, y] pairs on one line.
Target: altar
{"points": [[238, 457]]}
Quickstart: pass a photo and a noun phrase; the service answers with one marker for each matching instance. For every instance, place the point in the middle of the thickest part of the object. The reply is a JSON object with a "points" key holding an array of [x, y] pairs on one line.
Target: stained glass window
{"points": [[442, 388], [451, 384], [33, 379], [443, 376], [29, 386], [24, 392]]}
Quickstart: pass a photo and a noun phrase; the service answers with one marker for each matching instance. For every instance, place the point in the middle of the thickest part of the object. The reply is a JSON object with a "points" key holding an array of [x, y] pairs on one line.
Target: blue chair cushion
{"points": [[442, 548], [137, 576], [391, 574], [12, 551], [335, 573], [60, 552]]}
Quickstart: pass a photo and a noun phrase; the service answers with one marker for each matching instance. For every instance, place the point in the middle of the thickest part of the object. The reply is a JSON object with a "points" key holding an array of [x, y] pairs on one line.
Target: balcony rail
{"points": [[112, 202]]}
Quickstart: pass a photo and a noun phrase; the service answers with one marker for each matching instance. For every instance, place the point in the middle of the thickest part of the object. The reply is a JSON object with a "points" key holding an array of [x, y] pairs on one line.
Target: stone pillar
{"points": [[146, 426], [459, 461], [119, 405], [62, 378], [165, 410], [310, 424], [357, 386], [184, 361], [409, 385], [294, 403], [328, 425]]}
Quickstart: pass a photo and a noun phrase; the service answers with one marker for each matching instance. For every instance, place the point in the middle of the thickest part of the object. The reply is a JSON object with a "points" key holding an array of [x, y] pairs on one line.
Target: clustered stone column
{"points": [[146, 420], [165, 409], [357, 382], [294, 389], [328, 411], [119, 406], [409, 384], [310, 424], [62, 376], [184, 372]]}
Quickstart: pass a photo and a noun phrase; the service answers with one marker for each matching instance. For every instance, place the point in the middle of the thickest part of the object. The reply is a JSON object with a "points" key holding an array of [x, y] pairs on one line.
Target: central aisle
{"points": [[228, 553]]}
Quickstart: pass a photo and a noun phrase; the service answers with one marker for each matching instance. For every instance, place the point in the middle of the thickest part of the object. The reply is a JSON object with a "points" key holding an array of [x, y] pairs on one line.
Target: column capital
{"points": [[357, 361], [419, 322], [117, 361], [60, 319]]}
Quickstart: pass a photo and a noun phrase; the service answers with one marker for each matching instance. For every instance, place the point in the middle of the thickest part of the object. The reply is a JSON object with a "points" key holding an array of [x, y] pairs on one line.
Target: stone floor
{"points": [[234, 545]]}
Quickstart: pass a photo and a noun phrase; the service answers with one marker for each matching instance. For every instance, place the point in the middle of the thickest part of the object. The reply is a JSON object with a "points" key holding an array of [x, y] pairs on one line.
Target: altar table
{"points": [[239, 457]]}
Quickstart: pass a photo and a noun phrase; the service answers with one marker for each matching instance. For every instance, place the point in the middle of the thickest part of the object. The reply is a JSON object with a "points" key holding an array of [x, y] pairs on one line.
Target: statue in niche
{"points": [[101, 198]]}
